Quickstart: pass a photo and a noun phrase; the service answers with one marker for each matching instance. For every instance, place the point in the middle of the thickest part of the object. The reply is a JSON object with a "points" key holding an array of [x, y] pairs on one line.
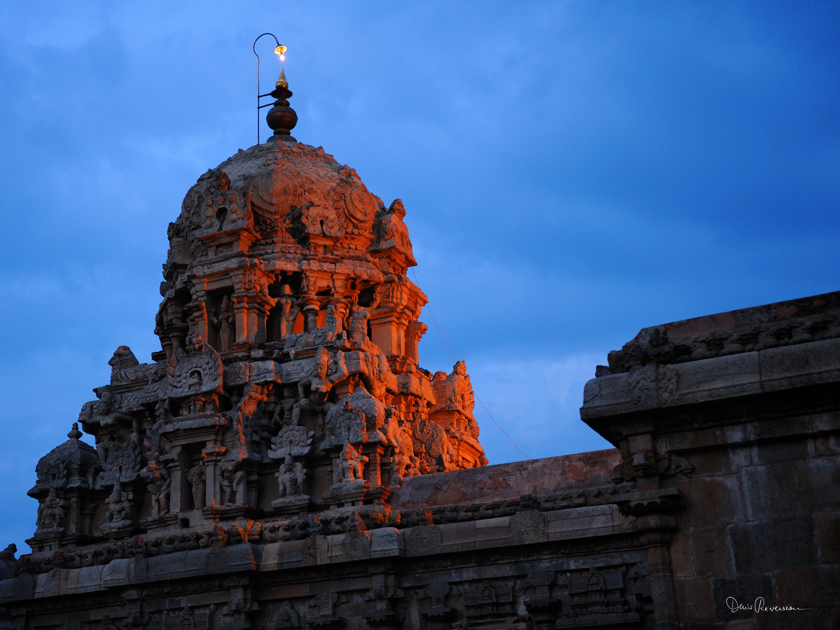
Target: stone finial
{"points": [[75, 434], [281, 118]]}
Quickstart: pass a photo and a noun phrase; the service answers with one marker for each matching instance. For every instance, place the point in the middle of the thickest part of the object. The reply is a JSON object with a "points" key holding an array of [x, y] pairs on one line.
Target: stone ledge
{"points": [[506, 481], [656, 386], [524, 528]]}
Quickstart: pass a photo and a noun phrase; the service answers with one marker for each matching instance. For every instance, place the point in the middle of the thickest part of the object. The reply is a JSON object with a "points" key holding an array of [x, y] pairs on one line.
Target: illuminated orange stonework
{"points": [[288, 382]]}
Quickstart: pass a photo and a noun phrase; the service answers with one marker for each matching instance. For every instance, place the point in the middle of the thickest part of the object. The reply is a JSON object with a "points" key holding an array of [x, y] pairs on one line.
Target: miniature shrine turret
{"points": [[288, 381]]}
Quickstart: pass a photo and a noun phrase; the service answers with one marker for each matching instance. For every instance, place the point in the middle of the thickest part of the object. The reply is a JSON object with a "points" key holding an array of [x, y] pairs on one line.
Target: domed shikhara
{"points": [[293, 222], [288, 381]]}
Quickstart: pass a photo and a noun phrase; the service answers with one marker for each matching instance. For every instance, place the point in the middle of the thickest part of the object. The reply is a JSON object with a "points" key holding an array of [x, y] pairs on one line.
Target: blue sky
{"points": [[572, 172]]}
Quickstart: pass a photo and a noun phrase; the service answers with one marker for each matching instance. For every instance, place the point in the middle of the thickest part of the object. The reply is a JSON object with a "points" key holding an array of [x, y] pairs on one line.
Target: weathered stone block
{"points": [[801, 365], [264, 371], [458, 537], [808, 586], [47, 584], [694, 599], [682, 562], [88, 579], [711, 552], [713, 500], [772, 452], [424, 540], [493, 532], [606, 396], [386, 542], [818, 483], [118, 572], [596, 520], [710, 379], [770, 491], [827, 528], [528, 527], [773, 544]]}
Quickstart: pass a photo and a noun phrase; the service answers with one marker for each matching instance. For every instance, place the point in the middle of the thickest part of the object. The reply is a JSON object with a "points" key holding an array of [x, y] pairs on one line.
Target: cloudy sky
{"points": [[572, 171]]}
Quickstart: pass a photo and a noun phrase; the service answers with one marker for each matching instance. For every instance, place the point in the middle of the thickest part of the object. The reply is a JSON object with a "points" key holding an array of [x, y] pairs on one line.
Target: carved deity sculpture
{"points": [[197, 478], [159, 483], [119, 510], [225, 320], [232, 484], [321, 380], [283, 415], [350, 466], [358, 328], [403, 457], [293, 442], [290, 479], [52, 515], [286, 311]]}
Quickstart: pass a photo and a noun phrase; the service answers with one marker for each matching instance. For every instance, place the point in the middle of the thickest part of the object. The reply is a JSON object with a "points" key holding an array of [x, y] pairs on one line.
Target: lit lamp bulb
{"points": [[280, 51]]}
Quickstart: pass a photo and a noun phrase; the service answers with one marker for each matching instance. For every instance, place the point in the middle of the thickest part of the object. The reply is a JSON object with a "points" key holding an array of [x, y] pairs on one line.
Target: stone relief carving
{"points": [[119, 512], [122, 463], [197, 370], [225, 323], [211, 206], [356, 419], [51, 515], [197, 476]]}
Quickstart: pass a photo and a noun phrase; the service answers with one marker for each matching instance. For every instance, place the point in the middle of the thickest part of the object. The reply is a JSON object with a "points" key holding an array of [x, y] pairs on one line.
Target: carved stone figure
{"points": [[403, 455], [232, 483], [358, 328], [121, 462], [290, 479], [288, 311], [51, 517], [350, 466], [326, 372], [284, 414], [356, 419], [225, 321], [159, 486], [119, 511], [197, 478]]}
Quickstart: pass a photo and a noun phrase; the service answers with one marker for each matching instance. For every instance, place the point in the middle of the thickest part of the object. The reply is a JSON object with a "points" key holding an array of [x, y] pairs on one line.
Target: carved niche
{"points": [[197, 370], [211, 206]]}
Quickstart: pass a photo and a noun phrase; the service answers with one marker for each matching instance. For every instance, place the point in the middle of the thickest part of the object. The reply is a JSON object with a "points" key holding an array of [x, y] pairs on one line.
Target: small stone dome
{"points": [[287, 195], [73, 464]]}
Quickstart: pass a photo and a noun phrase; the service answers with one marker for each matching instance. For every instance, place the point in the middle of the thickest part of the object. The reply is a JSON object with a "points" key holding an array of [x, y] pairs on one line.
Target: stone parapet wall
{"points": [[569, 538], [751, 443]]}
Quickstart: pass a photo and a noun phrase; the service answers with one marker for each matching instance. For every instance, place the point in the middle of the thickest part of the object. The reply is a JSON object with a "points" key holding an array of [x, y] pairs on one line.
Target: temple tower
{"points": [[288, 380]]}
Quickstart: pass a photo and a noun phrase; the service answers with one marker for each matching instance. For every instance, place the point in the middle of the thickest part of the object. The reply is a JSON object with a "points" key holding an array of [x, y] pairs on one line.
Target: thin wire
{"points": [[448, 348]]}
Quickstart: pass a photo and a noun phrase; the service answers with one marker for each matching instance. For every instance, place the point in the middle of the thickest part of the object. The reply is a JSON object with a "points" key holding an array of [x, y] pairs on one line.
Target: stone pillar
{"points": [[172, 461], [374, 454], [385, 333], [212, 467], [240, 313], [198, 320], [655, 533], [310, 306]]}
